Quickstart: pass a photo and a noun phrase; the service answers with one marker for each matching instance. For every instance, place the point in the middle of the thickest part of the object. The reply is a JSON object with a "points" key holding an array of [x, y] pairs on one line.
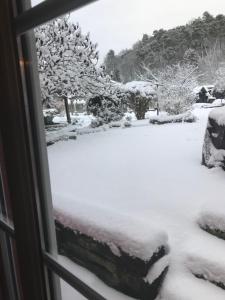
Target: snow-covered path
{"points": [[153, 173]]}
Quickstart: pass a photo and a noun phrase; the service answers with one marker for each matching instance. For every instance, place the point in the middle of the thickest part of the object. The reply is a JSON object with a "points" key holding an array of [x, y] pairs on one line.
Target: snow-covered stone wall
{"points": [[125, 253]]}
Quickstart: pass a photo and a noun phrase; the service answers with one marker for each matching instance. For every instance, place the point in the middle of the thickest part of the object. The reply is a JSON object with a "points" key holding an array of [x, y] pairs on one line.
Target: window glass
{"points": [[36, 2], [125, 121], [69, 293], [88, 136], [5, 209], [8, 256]]}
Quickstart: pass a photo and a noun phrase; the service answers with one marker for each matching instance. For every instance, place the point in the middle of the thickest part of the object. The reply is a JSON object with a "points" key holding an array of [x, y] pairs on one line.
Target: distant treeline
{"points": [[200, 42]]}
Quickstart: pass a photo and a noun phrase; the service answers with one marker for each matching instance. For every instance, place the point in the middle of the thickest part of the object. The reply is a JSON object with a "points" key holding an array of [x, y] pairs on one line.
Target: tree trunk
{"points": [[67, 110]]}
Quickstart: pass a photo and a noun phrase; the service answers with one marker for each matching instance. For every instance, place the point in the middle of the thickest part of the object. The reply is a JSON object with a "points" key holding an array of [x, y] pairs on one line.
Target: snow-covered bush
{"points": [[138, 104], [127, 124], [128, 118], [49, 115], [106, 109], [139, 97], [164, 119]]}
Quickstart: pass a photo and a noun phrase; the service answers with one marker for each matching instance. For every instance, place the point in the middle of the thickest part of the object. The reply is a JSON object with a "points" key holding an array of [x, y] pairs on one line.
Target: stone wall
{"points": [[125, 273]]}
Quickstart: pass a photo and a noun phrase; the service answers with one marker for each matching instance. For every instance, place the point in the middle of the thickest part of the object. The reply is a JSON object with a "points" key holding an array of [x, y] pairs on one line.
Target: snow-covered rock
{"points": [[218, 115], [213, 154], [212, 219], [207, 269], [109, 227], [123, 252], [213, 222]]}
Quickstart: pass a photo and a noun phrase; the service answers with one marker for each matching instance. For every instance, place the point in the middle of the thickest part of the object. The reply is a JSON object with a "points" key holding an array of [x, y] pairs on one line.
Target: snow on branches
{"points": [[175, 86], [219, 78], [67, 63]]}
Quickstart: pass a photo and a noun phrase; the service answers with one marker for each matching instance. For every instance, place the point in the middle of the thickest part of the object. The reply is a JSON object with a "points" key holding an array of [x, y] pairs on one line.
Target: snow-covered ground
{"points": [[154, 174], [81, 120]]}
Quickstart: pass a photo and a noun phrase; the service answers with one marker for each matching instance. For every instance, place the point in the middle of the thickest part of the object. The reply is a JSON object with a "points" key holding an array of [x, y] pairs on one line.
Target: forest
{"points": [[200, 42]]}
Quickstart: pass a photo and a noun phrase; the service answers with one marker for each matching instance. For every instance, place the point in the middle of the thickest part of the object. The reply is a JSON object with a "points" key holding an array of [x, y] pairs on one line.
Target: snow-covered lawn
{"points": [[152, 173]]}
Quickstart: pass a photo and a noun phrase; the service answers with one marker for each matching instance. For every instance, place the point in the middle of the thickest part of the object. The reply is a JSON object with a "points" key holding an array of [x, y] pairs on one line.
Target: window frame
{"points": [[25, 153]]}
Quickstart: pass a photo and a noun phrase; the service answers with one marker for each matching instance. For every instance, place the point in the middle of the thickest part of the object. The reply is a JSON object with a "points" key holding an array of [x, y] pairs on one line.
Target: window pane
{"points": [[121, 183], [8, 256], [69, 293], [36, 2], [116, 174], [90, 279], [5, 207], [94, 205]]}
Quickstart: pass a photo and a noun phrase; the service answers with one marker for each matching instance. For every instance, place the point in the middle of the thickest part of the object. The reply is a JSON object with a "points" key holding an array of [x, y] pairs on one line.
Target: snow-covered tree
{"points": [[67, 62], [191, 57], [219, 82], [175, 86], [220, 78], [111, 65], [105, 109], [210, 62]]}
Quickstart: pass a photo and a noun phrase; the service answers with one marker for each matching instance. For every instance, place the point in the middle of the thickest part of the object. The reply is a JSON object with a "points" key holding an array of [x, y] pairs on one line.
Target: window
{"points": [[89, 210]]}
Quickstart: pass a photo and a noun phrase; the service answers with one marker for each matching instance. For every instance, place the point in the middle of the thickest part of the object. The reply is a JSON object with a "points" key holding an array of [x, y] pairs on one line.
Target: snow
{"points": [[217, 157], [197, 89], [219, 102], [184, 286], [157, 269], [68, 293], [80, 119], [118, 231], [49, 111], [152, 174], [218, 114], [208, 267], [61, 134], [145, 88], [162, 119], [213, 216]]}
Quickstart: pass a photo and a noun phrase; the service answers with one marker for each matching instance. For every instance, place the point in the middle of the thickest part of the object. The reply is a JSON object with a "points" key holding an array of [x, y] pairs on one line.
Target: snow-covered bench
{"points": [[125, 253]]}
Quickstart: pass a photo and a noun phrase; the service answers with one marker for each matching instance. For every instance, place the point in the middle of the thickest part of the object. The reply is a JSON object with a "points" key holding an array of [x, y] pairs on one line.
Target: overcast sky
{"points": [[118, 24]]}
